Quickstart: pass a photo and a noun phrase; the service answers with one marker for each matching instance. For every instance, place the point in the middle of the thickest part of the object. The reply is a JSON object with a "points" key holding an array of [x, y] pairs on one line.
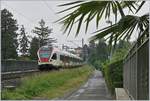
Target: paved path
{"points": [[94, 89]]}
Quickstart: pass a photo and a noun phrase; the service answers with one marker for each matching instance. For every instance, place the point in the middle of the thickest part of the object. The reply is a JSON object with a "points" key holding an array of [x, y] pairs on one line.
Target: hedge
{"points": [[113, 73]]}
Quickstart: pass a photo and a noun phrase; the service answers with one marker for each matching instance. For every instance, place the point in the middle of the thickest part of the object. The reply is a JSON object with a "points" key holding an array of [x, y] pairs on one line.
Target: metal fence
{"points": [[17, 65], [136, 70]]}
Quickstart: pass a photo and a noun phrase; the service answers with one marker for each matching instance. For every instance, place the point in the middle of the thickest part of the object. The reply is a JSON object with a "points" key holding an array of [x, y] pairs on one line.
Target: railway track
{"points": [[12, 79], [16, 74]]}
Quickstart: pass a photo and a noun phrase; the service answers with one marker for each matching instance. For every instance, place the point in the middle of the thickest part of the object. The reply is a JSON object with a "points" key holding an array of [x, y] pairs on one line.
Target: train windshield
{"points": [[44, 55], [45, 52]]}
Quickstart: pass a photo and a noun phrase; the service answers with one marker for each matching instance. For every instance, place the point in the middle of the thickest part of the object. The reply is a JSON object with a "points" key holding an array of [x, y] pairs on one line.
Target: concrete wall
{"points": [[17, 65]]}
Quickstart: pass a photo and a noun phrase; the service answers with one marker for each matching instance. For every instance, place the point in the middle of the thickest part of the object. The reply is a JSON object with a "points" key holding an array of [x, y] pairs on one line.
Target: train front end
{"points": [[44, 54]]}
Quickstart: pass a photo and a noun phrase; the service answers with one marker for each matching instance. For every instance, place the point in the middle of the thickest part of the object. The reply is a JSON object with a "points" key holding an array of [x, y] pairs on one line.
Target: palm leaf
{"points": [[142, 3], [125, 27], [75, 2], [80, 22], [92, 9]]}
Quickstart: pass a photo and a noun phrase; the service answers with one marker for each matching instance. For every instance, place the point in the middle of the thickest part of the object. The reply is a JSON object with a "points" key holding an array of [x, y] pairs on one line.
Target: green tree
{"points": [[91, 51], [102, 50], [123, 45], [92, 45], [121, 50], [43, 33], [24, 42], [99, 54], [34, 46], [8, 34], [113, 68]]}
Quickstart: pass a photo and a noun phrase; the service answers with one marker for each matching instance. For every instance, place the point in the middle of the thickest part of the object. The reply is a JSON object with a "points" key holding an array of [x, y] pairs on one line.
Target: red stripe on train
{"points": [[44, 59]]}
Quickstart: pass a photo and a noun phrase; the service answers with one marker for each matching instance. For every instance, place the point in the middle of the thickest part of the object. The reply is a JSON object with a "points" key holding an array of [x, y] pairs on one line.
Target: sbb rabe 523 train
{"points": [[53, 58]]}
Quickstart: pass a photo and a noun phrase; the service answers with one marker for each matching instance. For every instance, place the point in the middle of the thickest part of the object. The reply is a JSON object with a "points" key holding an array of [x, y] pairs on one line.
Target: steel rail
{"points": [[16, 74]]}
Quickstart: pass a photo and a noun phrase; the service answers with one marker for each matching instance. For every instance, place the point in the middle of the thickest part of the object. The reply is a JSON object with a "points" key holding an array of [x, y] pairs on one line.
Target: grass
{"points": [[49, 85]]}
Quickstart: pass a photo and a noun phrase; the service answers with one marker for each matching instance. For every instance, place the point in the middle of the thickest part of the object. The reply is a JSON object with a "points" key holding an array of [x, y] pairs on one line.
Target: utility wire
{"points": [[50, 8], [27, 18]]}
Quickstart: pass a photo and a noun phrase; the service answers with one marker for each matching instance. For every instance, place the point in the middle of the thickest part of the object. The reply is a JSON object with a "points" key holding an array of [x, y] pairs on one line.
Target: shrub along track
{"points": [[49, 85]]}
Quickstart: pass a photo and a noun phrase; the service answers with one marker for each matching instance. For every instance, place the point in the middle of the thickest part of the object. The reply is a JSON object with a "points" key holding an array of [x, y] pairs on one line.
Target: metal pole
{"points": [[39, 43], [82, 48], [111, 51], [82, 42]]}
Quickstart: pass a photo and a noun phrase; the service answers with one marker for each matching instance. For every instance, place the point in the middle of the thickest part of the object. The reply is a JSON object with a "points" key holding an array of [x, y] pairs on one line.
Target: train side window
{"points": [[54, 56]]}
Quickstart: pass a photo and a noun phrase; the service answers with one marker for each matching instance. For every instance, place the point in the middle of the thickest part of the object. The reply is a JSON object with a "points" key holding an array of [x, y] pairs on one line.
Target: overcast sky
{"points": [[29, 13]]}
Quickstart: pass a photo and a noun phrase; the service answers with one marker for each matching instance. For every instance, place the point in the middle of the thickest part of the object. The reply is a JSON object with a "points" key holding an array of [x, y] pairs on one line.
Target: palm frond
{"points": [[75, 2], [92, 9], [142, 3], [125, 27], [132, 5]]}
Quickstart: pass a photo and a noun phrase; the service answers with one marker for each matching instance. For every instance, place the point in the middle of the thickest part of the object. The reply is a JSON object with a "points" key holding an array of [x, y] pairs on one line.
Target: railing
{"points": [[136, 70], [17, 65]]}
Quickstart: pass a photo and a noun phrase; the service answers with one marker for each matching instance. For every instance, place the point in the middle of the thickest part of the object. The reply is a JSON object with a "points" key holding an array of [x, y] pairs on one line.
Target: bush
{"points": [[113, 73], [97, 64], [25, 57], [116, 72], [113, 68], [104, 65]]}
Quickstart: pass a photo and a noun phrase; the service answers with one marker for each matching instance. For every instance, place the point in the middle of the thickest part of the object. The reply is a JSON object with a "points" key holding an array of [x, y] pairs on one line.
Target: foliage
{"points": [[113, 69], [92, 9], [124, 28], [113, 73], [98, 54], [24, 57], [23, 41], [49, 85], [97, 64], [86, 11], [34, 46], [8, 35], [116, 73], [92, 45], [43, 33], [121, 50]]}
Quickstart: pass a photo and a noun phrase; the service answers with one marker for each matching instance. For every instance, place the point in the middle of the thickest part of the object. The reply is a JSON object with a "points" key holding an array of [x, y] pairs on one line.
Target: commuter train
{"points": [[53, 58]]}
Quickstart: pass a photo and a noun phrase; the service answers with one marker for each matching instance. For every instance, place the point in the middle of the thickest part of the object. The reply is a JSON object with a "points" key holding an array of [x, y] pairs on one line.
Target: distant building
{"points": [[78, 51], [85, 52]]}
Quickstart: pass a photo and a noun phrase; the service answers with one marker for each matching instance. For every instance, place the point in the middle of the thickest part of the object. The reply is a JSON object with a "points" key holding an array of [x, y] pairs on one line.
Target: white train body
{"points": [[51, 57]]}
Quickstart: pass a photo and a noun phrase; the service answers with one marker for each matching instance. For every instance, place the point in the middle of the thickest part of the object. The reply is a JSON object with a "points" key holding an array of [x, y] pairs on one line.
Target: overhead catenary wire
{"points": [[27, 18], [49, 7], [30, 19]]}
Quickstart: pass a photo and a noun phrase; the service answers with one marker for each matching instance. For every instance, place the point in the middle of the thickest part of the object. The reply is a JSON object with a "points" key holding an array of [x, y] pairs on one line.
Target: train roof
{"points": [[62, 52]]}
